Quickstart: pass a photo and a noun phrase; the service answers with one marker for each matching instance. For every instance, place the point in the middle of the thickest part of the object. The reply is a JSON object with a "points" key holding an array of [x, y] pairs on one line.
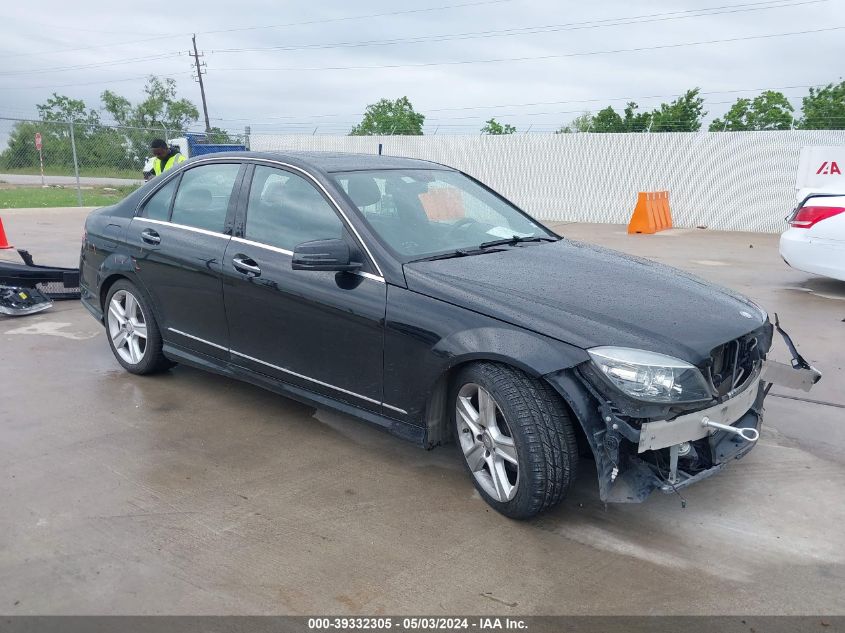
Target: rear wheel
{"points": [[134, 337], [516, 436]]}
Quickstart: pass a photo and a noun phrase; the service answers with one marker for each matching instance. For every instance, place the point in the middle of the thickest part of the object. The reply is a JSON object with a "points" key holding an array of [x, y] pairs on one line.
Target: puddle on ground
{"points": [[822, 287]]}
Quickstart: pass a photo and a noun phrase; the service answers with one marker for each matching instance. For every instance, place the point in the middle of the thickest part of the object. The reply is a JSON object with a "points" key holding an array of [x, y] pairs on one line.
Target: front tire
{"points": [[134, 336], [517, 438]]}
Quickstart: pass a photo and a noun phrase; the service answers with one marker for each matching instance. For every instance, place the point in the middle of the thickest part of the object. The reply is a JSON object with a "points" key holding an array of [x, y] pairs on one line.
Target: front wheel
{"points": [[134, 337], [516, 436]]}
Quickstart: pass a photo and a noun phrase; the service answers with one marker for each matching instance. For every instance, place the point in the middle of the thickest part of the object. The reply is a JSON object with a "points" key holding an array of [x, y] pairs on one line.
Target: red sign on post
{"points": [[38, 141]]}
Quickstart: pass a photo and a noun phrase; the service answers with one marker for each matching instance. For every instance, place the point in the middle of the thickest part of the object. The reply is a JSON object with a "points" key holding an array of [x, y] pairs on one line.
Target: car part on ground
{"points": [[815, 241], [363, 283], [21, 301], [54, 282]]}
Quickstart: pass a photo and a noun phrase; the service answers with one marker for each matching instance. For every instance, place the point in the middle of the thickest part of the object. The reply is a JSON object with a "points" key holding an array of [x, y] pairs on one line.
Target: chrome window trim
{"points": [[275, 249], [284, 251], [252, 159], [397, 409], [197, 338], [184, 226]]}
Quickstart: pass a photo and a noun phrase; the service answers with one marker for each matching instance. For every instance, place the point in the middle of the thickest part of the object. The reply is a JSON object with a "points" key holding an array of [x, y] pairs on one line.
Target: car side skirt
{"points": [[411, 432]]}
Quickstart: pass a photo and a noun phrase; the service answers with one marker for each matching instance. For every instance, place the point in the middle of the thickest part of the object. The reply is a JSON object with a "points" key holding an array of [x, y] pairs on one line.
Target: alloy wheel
{"points": [[127, 327], [486, 442]]}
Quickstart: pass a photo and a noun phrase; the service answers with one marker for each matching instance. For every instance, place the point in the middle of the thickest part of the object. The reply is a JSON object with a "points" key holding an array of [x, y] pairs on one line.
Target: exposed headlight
{"points": [[650, 376]]}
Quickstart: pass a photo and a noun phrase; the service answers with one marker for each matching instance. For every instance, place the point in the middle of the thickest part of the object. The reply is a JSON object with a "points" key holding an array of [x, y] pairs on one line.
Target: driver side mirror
{"points": [[331, 255]]}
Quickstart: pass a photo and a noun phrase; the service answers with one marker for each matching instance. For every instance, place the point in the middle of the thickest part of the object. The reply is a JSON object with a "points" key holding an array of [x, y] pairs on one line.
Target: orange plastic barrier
{"points": [[652, 213], [4, 242]]}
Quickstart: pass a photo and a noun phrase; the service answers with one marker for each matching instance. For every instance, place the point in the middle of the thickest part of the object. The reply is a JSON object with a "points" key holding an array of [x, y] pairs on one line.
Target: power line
{"points": [[95, 83], [538, 103], [267, 26], [535, 58], [116, 62], [534, 30]]}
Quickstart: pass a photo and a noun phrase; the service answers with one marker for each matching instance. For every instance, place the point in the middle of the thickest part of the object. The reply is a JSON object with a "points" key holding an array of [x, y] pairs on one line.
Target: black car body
{"points": [[384, 337]]}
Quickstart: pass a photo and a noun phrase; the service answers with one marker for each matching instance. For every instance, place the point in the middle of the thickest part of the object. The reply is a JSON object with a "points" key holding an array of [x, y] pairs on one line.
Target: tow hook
{"points": [[746, 433]]}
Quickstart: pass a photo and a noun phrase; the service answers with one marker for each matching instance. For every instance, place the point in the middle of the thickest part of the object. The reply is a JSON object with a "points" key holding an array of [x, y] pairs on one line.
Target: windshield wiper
{"points": [[460, 252], [516, 239]]}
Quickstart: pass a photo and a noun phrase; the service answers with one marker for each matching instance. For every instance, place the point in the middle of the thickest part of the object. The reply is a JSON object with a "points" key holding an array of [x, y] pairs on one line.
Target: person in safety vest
{"points": [[165, 157]]}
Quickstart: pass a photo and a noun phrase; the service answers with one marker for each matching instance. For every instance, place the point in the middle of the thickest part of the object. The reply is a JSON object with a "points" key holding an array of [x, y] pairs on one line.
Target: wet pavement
{"points": [[192, 493]]}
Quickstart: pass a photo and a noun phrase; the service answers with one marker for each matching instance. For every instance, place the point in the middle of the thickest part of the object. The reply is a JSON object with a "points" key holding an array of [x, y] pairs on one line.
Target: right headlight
{"points": [[650, 376]]}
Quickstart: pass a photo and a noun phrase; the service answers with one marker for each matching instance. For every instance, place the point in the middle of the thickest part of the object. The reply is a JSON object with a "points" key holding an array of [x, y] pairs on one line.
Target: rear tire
{"points": [[517, 438], [134, 335]]}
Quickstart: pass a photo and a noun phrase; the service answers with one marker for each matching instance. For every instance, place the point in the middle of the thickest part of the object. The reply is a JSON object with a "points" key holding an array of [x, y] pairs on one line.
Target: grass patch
{"points": [[31, 197], [53, 170]]}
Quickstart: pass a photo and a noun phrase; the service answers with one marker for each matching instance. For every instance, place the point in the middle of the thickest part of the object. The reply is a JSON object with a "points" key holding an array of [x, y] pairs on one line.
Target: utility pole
{"points": [[200, 73]]}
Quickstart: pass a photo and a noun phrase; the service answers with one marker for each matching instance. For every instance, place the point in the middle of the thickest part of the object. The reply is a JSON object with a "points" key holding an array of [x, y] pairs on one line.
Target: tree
{"points": [[634, 122], [824, 108], [684, 114], [608, 120], [494, 128], [160, 109], [581, 123], [390, 117], [770, 110], [160, 113]]}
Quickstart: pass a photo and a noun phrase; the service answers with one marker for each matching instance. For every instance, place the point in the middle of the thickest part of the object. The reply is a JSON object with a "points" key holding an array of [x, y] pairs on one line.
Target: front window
{"points": [[420, 212]]}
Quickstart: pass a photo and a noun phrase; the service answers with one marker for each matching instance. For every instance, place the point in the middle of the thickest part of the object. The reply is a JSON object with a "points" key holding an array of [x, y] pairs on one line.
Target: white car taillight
{"points": [[808, 216]]}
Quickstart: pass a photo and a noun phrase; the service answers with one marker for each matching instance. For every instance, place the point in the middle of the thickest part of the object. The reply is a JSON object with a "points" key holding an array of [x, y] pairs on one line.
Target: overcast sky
{"points": [[271, 90]]}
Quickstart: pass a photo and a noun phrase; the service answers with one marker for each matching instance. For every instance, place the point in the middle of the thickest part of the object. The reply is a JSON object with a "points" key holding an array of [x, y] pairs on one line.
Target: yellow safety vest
{"points": [[174, 160]]}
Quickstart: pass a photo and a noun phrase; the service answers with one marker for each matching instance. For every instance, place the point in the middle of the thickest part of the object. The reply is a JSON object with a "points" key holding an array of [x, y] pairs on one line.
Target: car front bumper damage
{"points": [[636, 457]]}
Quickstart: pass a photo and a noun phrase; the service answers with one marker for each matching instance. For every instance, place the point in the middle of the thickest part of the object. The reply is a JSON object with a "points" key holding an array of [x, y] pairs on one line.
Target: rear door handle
{"points": [[246, 265], [150, 236]]}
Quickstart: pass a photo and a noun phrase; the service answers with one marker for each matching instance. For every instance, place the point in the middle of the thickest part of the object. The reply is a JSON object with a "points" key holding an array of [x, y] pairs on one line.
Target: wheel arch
{"points": [[532, 354]]}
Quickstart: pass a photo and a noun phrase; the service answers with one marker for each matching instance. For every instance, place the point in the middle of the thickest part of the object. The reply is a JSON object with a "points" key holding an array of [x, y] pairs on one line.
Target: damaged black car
{"points": [[412, 296]]}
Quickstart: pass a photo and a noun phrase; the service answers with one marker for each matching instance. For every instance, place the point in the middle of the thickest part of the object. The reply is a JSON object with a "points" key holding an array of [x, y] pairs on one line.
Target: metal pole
{"points": [[75, 164], [41, 160], [247, 132], [196, 56]]}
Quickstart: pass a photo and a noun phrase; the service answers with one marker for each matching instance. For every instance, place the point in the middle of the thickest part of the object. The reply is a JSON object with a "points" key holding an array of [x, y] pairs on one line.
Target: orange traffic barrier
{"points": [[652, 213], [4, 242]]}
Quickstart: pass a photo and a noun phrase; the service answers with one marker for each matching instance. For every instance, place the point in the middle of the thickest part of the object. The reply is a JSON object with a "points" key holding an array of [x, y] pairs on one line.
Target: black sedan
{"points": [[412, 296]]}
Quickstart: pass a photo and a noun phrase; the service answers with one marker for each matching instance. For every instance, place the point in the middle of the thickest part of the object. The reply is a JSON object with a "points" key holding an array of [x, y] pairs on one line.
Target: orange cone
{"points": [[4, 242]]}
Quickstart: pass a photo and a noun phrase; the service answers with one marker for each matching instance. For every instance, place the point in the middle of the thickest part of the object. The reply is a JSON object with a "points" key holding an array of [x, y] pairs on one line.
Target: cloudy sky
{"points": [[532, 63]]}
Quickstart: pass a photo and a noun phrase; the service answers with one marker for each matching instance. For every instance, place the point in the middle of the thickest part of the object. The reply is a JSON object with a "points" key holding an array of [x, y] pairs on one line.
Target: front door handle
{"points": [[150, 236], [246, 265]]}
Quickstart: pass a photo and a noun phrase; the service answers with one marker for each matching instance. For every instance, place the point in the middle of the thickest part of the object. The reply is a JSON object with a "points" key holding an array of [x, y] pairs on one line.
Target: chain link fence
{"points": [[58, 163]]}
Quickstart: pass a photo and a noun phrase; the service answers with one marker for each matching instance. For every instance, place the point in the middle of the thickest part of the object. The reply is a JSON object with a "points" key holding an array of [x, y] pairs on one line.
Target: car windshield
{"points": [[424, 212]]}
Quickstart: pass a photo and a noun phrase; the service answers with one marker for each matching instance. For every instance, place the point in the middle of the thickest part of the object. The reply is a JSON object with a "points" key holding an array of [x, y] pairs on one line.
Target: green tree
{"points": [[159, 114], [824, 108], [390, 117], [608, 120], [494, 128], [581, 123], [636, 122], [160, 108], [770, 110], [684, 114]]}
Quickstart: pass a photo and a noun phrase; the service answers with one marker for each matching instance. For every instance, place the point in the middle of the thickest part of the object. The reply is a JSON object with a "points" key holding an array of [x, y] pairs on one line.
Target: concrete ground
{"points": [[189, 493]]}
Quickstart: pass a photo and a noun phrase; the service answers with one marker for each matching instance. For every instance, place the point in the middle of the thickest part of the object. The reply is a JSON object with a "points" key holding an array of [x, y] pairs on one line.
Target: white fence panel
{"points": [[737, 181]]}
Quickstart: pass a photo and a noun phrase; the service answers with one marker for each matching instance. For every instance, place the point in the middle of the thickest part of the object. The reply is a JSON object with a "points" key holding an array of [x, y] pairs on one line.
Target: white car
{"points": [[815, 241]]}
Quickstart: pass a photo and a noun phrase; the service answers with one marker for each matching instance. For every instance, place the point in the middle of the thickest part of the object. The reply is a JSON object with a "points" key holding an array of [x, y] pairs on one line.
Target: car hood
{"points": [[588, 296]]}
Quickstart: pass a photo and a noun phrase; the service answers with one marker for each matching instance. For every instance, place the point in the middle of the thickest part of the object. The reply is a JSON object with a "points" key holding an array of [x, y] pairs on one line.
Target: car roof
{"points": [[336, 161]]}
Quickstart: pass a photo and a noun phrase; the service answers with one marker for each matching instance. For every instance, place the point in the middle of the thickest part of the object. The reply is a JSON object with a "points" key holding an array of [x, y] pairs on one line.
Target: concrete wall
{"points": [[740, 181]]}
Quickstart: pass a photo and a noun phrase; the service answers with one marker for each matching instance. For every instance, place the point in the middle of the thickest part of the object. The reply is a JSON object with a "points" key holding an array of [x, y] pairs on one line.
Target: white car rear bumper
{"points": [[815, 255]]}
